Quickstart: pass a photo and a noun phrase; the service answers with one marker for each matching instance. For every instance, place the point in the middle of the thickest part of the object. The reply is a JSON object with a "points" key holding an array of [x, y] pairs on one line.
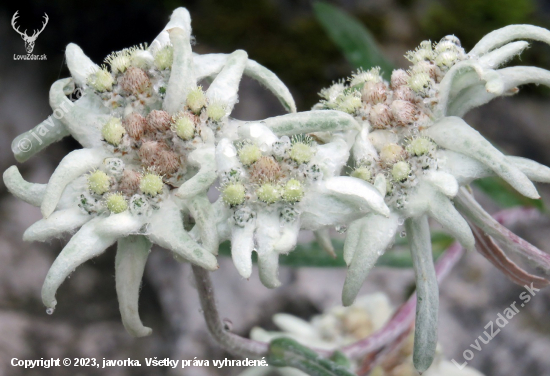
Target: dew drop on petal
{"points": [[402, 234], [50, 311]]}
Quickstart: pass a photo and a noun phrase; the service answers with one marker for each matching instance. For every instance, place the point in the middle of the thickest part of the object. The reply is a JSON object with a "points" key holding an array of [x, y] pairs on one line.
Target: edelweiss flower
{"points": [[342, 326], [272, 187], [148, 132], [417, 151]]}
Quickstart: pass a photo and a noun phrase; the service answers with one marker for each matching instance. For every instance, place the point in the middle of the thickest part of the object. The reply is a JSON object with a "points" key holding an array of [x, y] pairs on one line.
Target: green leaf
{"points": [[285, 352], [504, 195], [355, 41], [339, 358]]}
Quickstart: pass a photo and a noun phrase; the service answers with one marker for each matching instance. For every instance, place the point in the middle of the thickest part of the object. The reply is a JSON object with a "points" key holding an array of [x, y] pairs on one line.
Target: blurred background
{"points": [[286, 37]]}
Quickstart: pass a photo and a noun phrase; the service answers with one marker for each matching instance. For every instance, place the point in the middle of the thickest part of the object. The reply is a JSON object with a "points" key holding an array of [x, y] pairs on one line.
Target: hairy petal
{"points": [[376, 234], [322, 236], [332, 157], [359, 192], [488, 248], [90, 241], [83, 118], [180, 18], [226, 156], [533, 170], [288, 238], [322, 208], [131, 256], [31, 193], [204, 158], [442, 181], [57, 224], [182, 78], [209, 65], [443, 211], [259, 134], [311, 121], [242, 245], [27, 144], [453, 133], [270, 80], [226, 84], [267, 235], [79, 64], [74, 164], [166, 229], [353, 234], [205, 218], [427, 293], [503, 54], [469, 207], [503, 82], [507, 34]]}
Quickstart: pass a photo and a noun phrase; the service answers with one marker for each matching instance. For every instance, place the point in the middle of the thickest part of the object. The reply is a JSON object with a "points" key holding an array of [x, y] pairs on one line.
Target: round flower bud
{"points": [[114, 167], [101, 80], [134, 124], [135, 81], [399, 78], [151, 184], [404, 93], [216, 111], [391, 153], [233, 194], [164, 57], [424, 52], [419, 82], [129, 183], [113, 131], [184, 126], [380, 116], [158, 120], [249, 154], [374, 93], [400, 171], [349, 103], [140, 58], [265, 169], [99, 182], [372, 75], [168, 162], [119, 61], [139, 205], [446, 59], [425, 67], [196, 99], [420, 146], [293, 191], [403, 112], [301, 152], [116, 203], [268, 193], [362, 173]]}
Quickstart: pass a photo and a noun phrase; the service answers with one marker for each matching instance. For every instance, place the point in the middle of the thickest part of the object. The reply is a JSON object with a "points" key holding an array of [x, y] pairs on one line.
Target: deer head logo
{"points": [[29, 40]]}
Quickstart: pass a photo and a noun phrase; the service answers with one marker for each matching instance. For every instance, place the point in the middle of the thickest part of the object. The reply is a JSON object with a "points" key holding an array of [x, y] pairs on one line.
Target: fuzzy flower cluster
{"points": [[419, 154], [371, 157]]}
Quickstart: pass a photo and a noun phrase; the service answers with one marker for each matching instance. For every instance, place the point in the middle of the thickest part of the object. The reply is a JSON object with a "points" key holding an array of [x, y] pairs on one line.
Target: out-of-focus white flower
{"points": [[341, 326]]}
